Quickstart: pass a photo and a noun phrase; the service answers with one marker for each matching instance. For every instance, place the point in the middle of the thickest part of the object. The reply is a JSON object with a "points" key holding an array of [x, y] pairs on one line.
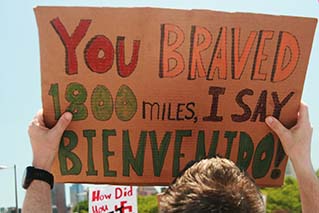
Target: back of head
{"points": [[212, 185]]}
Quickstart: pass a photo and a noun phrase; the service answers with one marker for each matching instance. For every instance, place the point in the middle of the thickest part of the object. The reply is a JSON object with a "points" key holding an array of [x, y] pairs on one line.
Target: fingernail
{"points": [[269, 120], [68, 115]]}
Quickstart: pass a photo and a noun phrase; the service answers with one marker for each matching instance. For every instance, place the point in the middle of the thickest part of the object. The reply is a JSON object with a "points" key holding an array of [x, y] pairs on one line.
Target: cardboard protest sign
{"points": [[108, 198], [151, 89]]}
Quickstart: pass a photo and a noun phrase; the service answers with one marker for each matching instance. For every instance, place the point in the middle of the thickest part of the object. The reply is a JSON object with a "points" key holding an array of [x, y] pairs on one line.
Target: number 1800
{"points": [[101, 102]]}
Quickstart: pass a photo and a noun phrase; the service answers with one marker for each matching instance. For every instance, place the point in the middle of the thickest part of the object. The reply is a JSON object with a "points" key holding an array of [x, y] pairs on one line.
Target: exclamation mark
{"points": [[280, 155]]}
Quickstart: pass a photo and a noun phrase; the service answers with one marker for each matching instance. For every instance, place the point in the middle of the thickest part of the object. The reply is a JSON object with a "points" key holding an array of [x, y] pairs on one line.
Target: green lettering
{"points": [[54, 92], [230, 139], [200, 148], [106, 152], [213, 144], [263, 156], [177, 149], [101, 103], [159, 154], [89, 134], [76, 95], [245, 152], [65, 153], [125, 103], [136, 162]]}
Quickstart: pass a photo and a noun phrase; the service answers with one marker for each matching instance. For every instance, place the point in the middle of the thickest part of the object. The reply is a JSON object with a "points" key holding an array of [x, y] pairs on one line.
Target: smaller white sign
{"points": [[112, 199]]}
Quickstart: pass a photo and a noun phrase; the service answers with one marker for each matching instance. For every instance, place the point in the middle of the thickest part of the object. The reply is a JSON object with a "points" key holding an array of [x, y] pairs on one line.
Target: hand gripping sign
{"points": [[151, 89]]}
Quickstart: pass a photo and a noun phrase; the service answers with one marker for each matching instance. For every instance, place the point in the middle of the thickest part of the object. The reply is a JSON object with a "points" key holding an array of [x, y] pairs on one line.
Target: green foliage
{"points": [[286, 197], [317, 173], [147, 204], [82, 207]]}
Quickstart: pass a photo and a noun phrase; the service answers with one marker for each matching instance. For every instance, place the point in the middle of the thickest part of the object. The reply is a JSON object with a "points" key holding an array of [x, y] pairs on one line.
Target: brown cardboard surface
{"points": [[152, 89]]}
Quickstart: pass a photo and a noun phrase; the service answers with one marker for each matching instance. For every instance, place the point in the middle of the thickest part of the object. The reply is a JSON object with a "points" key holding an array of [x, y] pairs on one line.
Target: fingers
{"points": [[39, 117], [303, 113], [36, 122], [62, 123], [278, 128]]}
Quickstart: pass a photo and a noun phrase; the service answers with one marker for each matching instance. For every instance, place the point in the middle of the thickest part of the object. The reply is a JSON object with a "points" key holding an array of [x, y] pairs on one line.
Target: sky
{"points": [[20, 91]]}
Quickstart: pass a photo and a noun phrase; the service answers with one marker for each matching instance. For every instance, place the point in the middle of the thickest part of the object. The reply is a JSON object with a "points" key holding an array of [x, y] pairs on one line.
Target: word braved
{"points": [[173, 37], [259, 156]]}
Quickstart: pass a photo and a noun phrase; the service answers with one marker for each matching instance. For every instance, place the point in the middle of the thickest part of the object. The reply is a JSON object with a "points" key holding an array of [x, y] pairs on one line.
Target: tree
{"points": [[317, 173], [147, 204], [81, 207], [286, 197]]}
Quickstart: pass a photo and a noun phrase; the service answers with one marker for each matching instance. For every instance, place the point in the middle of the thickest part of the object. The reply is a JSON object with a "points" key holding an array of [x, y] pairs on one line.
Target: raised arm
{"points": [[45, 143], [297, 145]]}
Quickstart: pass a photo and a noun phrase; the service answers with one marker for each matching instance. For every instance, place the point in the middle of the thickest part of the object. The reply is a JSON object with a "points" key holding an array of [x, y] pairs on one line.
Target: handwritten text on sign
{"points": [[148, 96], [109, 199]]}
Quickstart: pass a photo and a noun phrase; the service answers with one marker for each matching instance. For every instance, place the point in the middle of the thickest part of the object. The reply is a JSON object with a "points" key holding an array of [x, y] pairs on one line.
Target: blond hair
{"points": [[212, 185]]}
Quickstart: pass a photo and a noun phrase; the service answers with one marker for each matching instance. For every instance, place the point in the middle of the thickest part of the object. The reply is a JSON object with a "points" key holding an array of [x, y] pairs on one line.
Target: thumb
{"points": [[62, 123], [281, 131]]}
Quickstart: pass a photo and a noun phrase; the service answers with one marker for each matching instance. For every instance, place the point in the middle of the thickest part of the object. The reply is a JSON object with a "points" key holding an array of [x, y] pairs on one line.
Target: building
{"points": [[146, 190], [9, 210], [58, 198], [77, 194], [290, 170]]}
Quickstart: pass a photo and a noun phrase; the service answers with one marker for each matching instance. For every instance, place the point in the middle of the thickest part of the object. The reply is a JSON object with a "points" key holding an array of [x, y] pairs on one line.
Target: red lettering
{"points": [[219, 59], [123, 69], [169, 51], [95, 196], [123, 192], [130, 191], [196, 62], [123, 207], [71, 42], [284, 65], [99, 54], [99, 209], [239, 60], [118, 193], [260, 55]]}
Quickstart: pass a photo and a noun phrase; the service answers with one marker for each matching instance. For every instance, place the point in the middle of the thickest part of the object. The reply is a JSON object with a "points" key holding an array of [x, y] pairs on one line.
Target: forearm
{"points": [[38, 198], [308, 187], [296, 142]]}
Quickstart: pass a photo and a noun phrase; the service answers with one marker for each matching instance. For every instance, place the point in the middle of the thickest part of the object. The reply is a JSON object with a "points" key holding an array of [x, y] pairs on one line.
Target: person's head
{"points": [[212, 185]]}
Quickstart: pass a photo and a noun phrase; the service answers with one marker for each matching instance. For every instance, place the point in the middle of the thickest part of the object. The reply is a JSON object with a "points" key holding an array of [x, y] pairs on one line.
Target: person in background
{"points": [[211, 185]]}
